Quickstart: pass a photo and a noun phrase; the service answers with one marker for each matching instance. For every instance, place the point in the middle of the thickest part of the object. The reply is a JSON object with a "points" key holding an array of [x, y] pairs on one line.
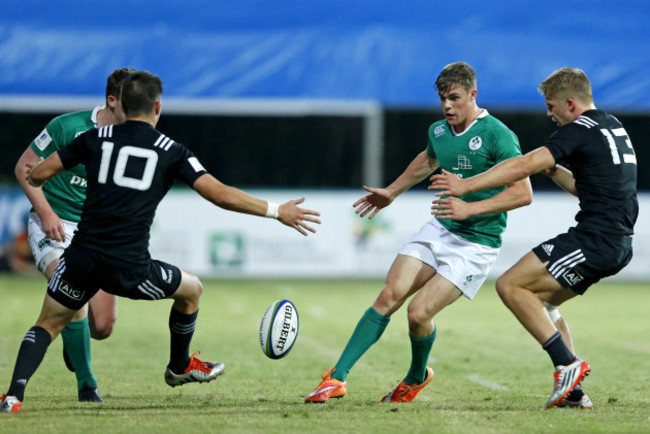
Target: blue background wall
{"points": [[344, 49]]}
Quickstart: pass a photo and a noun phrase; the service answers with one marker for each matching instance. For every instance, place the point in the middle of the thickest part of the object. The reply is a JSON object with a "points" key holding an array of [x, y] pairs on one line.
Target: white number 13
{"points": [[615, 140], [119, 176]]}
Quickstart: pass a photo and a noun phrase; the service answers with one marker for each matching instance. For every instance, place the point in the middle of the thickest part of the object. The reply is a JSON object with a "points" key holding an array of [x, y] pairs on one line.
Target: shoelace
{"points": [[198, 365], [404, 390]]}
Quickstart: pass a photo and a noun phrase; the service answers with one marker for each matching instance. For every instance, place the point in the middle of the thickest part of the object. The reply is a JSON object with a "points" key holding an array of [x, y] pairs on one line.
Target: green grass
{"points": [[491, 376]]}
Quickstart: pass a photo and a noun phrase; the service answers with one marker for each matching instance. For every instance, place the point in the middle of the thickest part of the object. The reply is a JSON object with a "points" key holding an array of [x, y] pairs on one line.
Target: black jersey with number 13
{"points": [[597, 149], [130, 167]]}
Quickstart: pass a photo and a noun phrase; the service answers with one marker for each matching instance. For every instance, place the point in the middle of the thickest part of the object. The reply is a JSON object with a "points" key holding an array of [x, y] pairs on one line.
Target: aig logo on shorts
{"points": [[68, 290], [475, 143], [572, 277]]}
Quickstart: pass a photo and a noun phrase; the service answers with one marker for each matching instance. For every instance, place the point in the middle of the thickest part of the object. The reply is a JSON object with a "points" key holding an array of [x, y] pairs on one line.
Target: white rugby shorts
{"points": [[44, 249], [462, 262]]}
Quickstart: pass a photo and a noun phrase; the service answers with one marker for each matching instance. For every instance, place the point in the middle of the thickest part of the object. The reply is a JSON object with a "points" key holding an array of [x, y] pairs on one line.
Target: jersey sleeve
{"points": [[189, 169], [430, 151], [563, 141], [506, 145], [77, 152], [49, 140]]}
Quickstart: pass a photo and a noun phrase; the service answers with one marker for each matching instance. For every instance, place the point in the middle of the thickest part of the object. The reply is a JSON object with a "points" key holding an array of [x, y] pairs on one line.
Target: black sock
{"points": [[557, 349], [30, 356], [576, 394], [181, 329]]}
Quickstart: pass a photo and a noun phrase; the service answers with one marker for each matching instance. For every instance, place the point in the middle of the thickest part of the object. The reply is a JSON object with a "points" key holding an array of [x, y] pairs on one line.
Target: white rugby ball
{"points": [[279, 329]]}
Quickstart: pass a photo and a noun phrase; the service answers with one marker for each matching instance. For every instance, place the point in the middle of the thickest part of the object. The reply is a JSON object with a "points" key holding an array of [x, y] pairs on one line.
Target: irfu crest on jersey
{"points": [[475, 143]]}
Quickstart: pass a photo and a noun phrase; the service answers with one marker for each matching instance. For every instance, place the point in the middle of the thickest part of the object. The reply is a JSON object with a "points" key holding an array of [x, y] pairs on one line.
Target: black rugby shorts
{"points": [[578, 259], [80, 275]]}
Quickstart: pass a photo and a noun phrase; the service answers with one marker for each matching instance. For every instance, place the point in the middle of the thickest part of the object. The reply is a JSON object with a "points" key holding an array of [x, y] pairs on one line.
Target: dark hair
{"points": [[140, 92], [115, 80], [459, 73]]}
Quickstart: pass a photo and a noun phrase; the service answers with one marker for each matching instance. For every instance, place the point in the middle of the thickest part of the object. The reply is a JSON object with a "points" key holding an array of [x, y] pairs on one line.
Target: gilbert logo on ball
{"points": [[279, 329]]}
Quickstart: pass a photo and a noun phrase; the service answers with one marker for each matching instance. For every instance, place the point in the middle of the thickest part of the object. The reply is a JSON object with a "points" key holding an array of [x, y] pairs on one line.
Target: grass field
{"points": [[491, 377]]}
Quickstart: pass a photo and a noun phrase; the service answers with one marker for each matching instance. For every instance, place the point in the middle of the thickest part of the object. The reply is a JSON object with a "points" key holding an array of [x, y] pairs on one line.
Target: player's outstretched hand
{"points": [[377, 199], [292, 215], [448, 183], [450, 208]]}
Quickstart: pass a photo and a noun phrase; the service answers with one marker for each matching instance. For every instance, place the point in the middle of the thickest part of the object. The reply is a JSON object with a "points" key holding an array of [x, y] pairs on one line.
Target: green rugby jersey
{"points": [[66, 192], [484, 144]]}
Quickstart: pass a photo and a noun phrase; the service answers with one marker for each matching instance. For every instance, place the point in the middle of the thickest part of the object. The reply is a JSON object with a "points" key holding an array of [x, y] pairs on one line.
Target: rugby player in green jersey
{"points": [[447, 258], [56, 210]]}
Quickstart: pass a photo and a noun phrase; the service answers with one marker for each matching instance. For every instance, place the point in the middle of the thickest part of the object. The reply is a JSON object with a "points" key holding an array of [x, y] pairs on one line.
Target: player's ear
{"points": [[111, 101], [571, 104], [158, 107]]}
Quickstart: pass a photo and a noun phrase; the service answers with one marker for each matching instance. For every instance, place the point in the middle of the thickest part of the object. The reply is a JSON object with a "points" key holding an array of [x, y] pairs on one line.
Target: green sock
{"points": [[420, 349], [76, 341], [368, 331]]}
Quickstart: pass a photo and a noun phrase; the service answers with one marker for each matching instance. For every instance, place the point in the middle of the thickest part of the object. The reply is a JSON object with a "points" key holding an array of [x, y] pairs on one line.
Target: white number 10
{"points": [[119, 176]]}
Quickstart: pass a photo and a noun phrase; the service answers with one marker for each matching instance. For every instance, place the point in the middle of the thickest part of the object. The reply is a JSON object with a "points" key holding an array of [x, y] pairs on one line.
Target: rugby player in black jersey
{"points": [[590, 156], [130, 168]]}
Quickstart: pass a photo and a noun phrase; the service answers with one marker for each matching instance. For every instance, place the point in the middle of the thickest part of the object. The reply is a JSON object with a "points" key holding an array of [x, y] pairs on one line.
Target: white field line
{"points": [[475, 378]]}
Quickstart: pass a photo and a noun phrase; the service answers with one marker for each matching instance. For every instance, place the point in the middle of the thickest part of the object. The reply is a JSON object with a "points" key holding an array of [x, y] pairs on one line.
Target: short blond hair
{"points": [[567, 83]]}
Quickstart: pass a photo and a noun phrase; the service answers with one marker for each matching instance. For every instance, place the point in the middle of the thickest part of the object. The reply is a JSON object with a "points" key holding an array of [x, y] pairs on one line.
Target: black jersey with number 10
{"points": [[130, 167], [597, 149]]}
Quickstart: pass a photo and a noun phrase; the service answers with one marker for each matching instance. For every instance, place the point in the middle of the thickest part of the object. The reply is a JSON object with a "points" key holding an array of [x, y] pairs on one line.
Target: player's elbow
{"points": [[20, 171], [524, 192], [526, 197]]}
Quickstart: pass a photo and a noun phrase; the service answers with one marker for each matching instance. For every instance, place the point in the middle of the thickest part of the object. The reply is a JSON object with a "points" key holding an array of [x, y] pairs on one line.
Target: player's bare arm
{"points": [[50, 221], [451, 208], [563, 177], [39, 173], [421, 166], [504, 173], [233, 199]]}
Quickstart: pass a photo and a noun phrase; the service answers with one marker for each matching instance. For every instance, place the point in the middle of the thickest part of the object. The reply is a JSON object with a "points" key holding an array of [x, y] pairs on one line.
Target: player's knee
{"points": [[102, 329], [190, 289], [101, 333], [197, 287], [417, 316], [504, 288], [388, 300]]}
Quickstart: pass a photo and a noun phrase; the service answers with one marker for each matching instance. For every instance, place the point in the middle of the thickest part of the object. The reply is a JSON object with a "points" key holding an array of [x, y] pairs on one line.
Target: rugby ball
{"points": [[279, 329]]}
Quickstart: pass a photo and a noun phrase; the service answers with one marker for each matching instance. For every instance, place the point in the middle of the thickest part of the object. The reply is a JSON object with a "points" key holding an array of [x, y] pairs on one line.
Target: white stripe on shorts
{"points": [[56, 276], [569, 261], [150, 290]]}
